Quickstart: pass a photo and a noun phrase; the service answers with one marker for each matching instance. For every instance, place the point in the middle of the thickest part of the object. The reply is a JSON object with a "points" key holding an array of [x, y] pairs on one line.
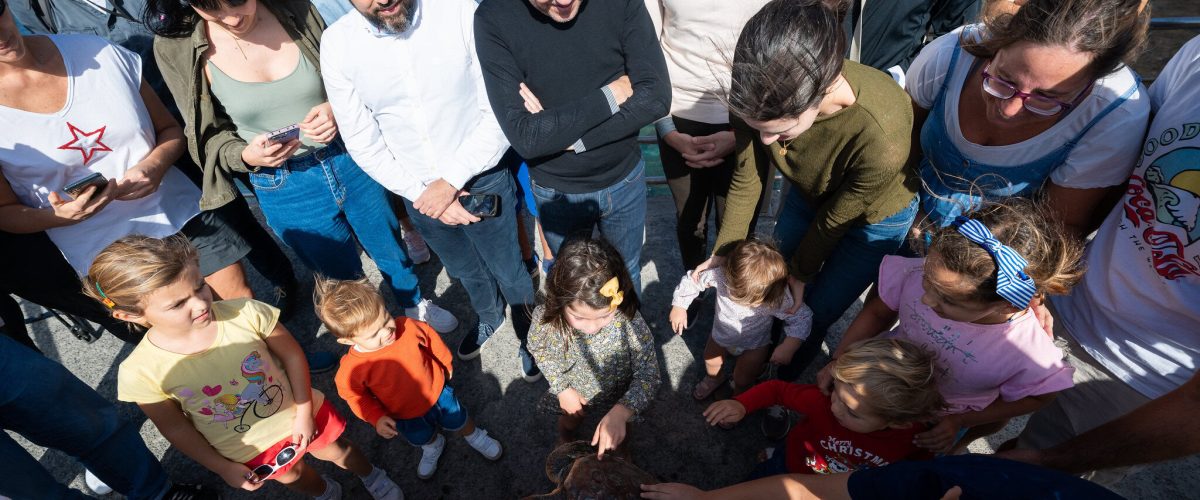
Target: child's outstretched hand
{"points": [[678, 320], [610, 432], [386, 427], [725, 411], [941, 437], [571, 402], [782, 354], [239, 477], [303, 429], [825, 378]]}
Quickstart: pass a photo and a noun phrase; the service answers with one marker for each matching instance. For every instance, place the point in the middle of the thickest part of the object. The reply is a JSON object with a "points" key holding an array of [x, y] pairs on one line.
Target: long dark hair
{"points": [[786, 58], [581, 268], [176, 18]]}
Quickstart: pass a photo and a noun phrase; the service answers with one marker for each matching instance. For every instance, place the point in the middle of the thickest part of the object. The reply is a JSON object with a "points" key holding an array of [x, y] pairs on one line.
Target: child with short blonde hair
{"points": [[884, 390], [395, 376], [223, 381], [752, 291]]}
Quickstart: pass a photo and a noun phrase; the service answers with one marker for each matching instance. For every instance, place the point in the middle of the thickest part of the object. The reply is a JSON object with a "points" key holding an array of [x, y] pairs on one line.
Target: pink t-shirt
{"points": [[977, 363]]}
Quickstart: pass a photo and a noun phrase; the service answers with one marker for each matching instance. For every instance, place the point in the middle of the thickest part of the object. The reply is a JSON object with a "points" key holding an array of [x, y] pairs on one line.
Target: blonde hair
{"points": [[897, 378], [346, 307], [756, 274], [129, 269]]}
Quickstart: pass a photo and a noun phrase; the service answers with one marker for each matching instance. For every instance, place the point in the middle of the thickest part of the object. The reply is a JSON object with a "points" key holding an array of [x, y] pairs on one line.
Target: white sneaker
{"points": [[485, 445], [95, 484], [440, 319], [430, 453], [383, 488], [333, 490], [418, 251]]}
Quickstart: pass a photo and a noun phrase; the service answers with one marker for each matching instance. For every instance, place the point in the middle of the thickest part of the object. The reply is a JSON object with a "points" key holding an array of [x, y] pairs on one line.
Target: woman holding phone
{"points": [[243, 73]]}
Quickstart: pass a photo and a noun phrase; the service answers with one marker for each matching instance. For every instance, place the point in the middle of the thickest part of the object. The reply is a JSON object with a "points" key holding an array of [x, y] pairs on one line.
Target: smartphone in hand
{"points": [[78, 187], [481, 205], [284, 135]]}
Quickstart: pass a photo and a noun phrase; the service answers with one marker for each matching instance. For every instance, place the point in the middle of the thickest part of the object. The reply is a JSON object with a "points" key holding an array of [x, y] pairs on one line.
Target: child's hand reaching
{"points": [[678, 320], [941, 437], [571, 402], [303, 429], [239, 477], [825, 378], [782, 355], [386, 427], [610, 432], [725, 411]]}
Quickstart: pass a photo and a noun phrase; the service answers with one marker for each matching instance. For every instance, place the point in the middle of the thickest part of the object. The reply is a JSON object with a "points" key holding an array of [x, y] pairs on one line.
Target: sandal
{"points": [[706, 386]]}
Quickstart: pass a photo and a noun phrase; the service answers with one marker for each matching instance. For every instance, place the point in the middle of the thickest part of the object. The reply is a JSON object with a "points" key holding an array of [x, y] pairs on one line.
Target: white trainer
{"points": [[95, 484], [418, 251], [430, 453], [440, 319], [383, 488], [485, 444]]}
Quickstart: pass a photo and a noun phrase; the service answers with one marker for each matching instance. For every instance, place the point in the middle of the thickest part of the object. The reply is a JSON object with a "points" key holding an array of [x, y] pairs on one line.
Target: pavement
{"points": [[672, 443]]}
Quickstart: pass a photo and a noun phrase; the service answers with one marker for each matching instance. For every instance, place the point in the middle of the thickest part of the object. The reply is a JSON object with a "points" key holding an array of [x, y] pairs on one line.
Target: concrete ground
{"points": [[673, 443]]}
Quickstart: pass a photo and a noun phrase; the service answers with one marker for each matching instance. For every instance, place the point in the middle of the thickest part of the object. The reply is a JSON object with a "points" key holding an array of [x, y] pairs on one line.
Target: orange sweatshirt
{"points": [[402, 380]]}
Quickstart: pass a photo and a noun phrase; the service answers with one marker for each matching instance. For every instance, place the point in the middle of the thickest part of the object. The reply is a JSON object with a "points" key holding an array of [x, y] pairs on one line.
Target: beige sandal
{"points": [[706, 386]]}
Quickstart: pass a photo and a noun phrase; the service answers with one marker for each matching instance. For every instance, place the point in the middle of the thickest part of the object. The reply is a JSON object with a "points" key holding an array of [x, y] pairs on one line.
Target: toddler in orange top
{"points": [[394, 375]]}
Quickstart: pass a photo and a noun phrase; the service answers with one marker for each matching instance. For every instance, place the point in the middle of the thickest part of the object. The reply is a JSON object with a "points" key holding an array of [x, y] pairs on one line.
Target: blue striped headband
{"points": [[1012, 284]]}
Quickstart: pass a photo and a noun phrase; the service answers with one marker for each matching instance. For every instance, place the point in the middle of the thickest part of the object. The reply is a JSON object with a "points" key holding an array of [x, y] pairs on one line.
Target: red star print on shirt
{"points": [[87, 143]]}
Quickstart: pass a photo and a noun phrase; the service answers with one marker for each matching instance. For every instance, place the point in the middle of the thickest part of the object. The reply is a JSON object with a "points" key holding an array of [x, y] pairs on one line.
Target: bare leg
{"points": [[467, 429], [303, 480], [547, 254], [714, 358], [344, 454], [230, 283], [748, 367]]}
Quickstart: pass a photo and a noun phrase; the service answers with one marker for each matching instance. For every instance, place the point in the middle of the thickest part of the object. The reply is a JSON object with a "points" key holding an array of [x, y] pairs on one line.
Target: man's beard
{"points": [[398, 22]]}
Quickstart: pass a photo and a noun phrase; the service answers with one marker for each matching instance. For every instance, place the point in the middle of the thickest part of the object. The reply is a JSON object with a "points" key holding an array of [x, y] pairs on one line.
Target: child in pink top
{"points": [[968, 301]]}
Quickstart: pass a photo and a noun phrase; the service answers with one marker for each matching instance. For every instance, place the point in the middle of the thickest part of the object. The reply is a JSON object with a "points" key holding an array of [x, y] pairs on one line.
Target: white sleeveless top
{"points": [[103, 127]]}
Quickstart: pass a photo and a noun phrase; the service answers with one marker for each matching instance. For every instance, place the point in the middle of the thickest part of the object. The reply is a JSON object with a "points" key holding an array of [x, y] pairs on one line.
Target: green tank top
{"points": [[260, 107]]}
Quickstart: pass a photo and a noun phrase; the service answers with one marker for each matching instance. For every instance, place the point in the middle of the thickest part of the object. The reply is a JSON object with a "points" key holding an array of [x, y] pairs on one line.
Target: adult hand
{"points": [[262, 153], [678, 320], [239, 476], [941, 437], [825, 378], [725, 411], [622, 89], [682, 143], [712, 263], [532, 104], [671, 491], [797, 288], [386, 427], [319, 124], [91, 200], [456, 215], [713, 149], [139, 181], [571, 402], [610, 432], [436, 198], [303, 429]]}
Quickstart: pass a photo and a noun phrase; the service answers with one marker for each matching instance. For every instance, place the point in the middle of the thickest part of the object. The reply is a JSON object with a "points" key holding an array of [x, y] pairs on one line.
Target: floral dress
{"points": [[617, 365]]}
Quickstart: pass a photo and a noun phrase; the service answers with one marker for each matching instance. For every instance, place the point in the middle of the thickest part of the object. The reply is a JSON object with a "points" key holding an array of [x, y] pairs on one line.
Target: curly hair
{"points": [[756, 274], [897, 377]]}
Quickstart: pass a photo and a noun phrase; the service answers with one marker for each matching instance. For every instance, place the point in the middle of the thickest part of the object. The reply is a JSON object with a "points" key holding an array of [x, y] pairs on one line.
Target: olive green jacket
{"points": [[211, 135]]}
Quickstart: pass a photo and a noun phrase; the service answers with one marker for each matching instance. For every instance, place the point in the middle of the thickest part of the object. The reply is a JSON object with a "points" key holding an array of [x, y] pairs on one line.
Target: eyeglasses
{"points": [[1037, 104], [264, 471]]}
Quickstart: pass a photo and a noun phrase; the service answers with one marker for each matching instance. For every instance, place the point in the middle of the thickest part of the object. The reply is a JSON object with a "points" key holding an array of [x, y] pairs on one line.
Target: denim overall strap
{"points": [[954, 183]]}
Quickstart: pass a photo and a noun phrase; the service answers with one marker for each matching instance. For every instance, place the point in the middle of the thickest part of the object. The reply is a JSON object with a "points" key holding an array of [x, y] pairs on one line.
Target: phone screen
{"points": [[481, 205]]}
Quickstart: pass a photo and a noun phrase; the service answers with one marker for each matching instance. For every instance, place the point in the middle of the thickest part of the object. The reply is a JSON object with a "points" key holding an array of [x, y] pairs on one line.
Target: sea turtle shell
{"points": [[581, 476]]}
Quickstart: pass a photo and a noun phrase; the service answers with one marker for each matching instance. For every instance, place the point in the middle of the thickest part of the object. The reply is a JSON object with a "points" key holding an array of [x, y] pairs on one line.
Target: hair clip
{"points": [[612, 290], [104, 298]]}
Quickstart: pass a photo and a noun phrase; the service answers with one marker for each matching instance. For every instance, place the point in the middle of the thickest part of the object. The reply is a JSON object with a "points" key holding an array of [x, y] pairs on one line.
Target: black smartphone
{"points": [[284, 135], [78, 187], [481, 205]]}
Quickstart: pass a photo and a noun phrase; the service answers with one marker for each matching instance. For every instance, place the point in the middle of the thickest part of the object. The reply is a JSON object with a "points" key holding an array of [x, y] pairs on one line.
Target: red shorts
{"points": [[329, 426]]}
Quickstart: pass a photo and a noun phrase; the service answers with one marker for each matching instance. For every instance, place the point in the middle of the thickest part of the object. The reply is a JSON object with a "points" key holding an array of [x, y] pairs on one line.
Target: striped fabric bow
{"points": [[1012, 284]]}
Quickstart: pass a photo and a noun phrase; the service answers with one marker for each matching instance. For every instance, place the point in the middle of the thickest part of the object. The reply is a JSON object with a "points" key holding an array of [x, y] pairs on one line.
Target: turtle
{"points": [[579, 475]]}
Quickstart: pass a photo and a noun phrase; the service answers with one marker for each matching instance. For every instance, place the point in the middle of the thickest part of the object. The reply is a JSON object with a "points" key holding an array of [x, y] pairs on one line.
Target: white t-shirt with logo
{"points": [[1137, 310], [103, 127]]}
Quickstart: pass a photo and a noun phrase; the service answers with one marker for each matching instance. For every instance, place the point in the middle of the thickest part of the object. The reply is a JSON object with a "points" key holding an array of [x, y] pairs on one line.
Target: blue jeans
{"points": [[619, 211], [446, 413], [485, 256], [49, 406], [324, 206], [850, 268]]}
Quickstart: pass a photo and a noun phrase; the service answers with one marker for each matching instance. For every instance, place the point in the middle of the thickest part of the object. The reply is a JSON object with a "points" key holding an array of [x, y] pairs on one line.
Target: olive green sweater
{"points": [[851, 167]]}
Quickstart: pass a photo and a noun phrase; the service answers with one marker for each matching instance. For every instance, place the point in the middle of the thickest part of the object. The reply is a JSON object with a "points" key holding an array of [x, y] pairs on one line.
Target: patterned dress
{"points": [[617, 365]]}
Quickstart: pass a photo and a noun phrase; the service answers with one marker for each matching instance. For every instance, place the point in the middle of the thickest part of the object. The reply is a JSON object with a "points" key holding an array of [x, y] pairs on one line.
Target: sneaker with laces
{"points": [[440, 319], [485, 444], [472, 343], [430, 453], [95, 484], [776, 423], [182, 491], [382, 487], [320, 361], [529, 369], [333, 490], [418, 251]]}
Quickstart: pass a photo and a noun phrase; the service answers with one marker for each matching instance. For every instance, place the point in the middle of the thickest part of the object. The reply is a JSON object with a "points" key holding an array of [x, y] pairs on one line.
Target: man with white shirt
{"points": [[410, 102]]}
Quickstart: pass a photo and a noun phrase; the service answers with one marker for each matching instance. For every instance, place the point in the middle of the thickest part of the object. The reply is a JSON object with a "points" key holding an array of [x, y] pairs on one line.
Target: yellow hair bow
{"points": [[612, 290]]}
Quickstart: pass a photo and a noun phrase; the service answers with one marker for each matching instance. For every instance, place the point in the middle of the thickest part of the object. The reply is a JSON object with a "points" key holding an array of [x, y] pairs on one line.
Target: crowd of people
{"points": [[1019, 208]]}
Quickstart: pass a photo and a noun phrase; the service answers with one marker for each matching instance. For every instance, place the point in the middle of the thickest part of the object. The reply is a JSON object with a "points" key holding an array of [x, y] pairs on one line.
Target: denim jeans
{"points": [[619, 211], [447, 413], [850, 268], [324, 206], [49, 406], [485, 256]]}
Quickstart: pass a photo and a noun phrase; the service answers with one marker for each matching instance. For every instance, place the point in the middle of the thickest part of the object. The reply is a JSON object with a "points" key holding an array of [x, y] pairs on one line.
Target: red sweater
{"points": [[402, 380], [819, 444]]}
